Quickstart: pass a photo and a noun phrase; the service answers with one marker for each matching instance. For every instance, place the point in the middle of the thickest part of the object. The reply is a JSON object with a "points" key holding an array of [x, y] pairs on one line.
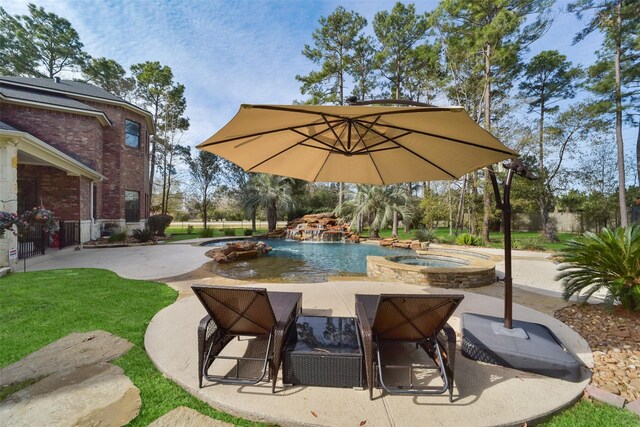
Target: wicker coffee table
{"points": [[324, 351]]}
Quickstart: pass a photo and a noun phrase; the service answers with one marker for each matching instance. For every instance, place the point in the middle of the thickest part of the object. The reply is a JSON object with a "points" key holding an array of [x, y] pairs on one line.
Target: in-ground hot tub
{"points": [[442, 268]]}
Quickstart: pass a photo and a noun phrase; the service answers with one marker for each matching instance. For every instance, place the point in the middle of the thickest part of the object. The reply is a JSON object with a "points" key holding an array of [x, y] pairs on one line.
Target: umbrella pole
{"points": [[504, 204]]}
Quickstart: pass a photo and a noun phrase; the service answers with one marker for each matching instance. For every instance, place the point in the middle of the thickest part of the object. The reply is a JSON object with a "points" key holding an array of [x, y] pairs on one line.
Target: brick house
{"points": [[75, 149]]}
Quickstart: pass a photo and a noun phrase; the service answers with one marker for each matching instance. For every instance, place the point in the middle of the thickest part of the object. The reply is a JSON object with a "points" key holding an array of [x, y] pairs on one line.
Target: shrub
{"points": [[229, 231], [142, 234], [529, 244], [248, 232], [189, 229], [118, 236], [608, 260], [206, 232], [158, 223], [425, 235], [467, 239]]}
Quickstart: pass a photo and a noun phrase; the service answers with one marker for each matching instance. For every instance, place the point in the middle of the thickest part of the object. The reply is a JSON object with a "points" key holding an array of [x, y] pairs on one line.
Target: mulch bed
{"points": [[614, 338]]}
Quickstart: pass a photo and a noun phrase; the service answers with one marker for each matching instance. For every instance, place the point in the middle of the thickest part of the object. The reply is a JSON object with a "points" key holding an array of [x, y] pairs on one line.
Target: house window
{"points": [[132, 129], [131, 206]]}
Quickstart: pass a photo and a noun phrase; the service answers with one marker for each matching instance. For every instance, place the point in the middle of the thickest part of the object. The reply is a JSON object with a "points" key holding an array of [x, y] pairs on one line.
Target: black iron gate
{"points": [[69, 233], [32, 241]]}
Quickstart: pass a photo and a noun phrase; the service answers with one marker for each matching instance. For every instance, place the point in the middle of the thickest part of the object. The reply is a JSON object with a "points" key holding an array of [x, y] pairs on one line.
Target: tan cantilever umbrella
{"points": [[358, 144], [361, 144]]}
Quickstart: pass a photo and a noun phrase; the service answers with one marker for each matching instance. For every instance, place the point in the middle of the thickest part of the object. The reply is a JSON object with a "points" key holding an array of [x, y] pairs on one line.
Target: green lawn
{"points": [[182, 233], [497, 239], [38, 308]]}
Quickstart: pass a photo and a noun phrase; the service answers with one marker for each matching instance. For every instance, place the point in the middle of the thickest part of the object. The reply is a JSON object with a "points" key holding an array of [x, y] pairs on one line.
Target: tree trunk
{"points": [[460, 213], [340, 193], [544, 211], [375, 233], [638, 155], [486, 196], [473, 214], [205, 214], [271, 216], [394, 229], [622, 196]]}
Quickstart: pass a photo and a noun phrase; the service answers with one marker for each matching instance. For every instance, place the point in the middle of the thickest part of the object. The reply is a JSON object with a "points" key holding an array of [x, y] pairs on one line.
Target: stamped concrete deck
{"points": [[484, 394]]}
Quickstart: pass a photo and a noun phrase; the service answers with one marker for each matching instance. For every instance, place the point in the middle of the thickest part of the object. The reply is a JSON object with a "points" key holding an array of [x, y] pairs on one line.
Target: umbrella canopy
{"points": [[357, 144]]}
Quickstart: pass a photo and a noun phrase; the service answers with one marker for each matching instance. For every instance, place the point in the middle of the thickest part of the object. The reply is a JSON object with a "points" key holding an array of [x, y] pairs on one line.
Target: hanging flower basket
{"points": [[39, 215], [7, 221]]}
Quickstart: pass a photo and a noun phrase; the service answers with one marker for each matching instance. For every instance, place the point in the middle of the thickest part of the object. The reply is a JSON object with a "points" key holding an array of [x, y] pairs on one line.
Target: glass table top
{"points": [[317, 334]]}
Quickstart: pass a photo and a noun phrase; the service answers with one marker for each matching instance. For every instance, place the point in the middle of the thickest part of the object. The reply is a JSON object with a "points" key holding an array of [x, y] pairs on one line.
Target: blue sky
{"points": [[231, 52]]}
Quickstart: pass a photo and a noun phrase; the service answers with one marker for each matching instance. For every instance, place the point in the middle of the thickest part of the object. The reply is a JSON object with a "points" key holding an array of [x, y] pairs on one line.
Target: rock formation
{"points": [[235, 251], [323, 227]]}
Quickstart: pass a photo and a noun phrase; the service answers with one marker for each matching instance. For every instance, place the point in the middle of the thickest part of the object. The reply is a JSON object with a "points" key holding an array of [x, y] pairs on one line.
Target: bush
{"points": [[206, 232], [529, 244], [189, 229], [248, 232], [142, 234], [158, 223], [467, 239], [118, 236], [425, 235], [229, 231], [608, 260]]}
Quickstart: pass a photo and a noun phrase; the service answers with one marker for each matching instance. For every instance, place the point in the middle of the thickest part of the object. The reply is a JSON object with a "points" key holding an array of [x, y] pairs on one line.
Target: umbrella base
{"points": [[529, 347]]}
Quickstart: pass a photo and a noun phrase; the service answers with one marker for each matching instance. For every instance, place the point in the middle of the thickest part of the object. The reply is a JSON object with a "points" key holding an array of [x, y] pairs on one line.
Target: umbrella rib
{"points": [[386, 139], [302, 142], [326, 159], [266, 132], [331, 147], [415, 154], [368, 128], [334, 133], [459, 141]]}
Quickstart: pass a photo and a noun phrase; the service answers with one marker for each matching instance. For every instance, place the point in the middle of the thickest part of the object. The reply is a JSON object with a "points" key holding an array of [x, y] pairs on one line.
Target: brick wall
{"points": [[57, 191], [101, 148], [78, 136]]}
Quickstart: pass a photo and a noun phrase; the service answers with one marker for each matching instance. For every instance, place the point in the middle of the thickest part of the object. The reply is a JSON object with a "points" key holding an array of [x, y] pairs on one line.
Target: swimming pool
{"points": [[294, 261]]}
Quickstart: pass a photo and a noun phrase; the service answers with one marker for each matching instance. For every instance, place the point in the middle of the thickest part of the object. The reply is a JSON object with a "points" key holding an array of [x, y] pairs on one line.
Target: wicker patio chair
{"points": [[420, 319], [264, 317]]}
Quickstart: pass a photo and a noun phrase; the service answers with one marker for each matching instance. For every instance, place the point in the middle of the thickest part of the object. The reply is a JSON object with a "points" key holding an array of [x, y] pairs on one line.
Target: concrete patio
{"points": [[484, 394]]}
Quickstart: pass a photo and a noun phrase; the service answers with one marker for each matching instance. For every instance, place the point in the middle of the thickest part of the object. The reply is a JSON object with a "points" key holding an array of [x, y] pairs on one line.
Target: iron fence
{"points": [[69, 233], [32, 241]]}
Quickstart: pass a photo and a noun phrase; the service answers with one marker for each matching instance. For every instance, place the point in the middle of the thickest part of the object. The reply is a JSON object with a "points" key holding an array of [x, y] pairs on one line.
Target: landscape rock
{"points": [[611, 334], [605, 396], [74, 350], [239, 250], [90, 395], [634, 407], [187, 417]]}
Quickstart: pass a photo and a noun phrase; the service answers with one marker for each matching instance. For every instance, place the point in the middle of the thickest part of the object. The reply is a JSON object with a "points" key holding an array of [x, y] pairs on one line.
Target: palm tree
{"points": [[377, 205], [608, 260], [273, 192]]}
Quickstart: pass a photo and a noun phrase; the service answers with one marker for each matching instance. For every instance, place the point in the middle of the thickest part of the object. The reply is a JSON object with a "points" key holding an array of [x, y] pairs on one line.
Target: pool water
{"points": [[304, 262], [429, 261]]}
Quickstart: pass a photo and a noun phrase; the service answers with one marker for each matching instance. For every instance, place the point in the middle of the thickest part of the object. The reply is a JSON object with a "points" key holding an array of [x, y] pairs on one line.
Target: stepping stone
{"points": [[74, 350], [187, 417], [90, 395]]}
